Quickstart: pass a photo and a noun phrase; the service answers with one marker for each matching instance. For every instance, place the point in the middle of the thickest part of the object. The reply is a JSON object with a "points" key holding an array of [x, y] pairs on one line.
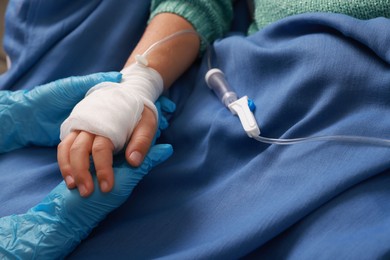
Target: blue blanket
{"points": [[223, 195]]}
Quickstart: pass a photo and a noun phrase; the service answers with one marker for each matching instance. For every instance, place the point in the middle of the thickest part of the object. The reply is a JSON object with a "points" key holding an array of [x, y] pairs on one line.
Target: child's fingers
{"points": [[141, 138], [102, 150], [79, 160], [63, 158]]}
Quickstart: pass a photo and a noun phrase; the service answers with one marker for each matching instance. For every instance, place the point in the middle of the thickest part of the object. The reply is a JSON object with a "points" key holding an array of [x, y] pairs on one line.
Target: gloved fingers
{"points": [[65, 93], [164, 105], [159, 153], [162, 124], [86, 82], [167, 105], [156, 155], [162, 121], [93, 79], [102, 153], [9, 98], [142, 138]]}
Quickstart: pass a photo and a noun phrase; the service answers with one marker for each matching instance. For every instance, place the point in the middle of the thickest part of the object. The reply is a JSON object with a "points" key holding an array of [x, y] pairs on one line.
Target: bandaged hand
{"points": [[34, 117], [109, 118]]}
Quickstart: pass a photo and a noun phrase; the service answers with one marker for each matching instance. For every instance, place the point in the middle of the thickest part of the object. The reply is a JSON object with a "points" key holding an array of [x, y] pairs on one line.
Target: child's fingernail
{"points": [[83, 191], [136, 158], [104, 186], [69, 181]]}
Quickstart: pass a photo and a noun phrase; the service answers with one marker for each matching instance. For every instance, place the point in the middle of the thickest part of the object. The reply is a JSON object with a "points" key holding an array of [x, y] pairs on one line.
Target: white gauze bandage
{"points": [[113, 110]]}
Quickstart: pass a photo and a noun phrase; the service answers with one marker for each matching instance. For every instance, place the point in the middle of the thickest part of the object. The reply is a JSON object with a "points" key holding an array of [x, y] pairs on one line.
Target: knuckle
{"points": [[102, 145], [143, 140], [76, 148], [61, 146], [66, 170], [98, 147]]}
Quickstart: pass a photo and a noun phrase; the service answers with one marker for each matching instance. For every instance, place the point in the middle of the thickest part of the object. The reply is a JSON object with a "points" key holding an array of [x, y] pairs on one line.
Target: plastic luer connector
{"points": [[215, 79], [248, 121]]}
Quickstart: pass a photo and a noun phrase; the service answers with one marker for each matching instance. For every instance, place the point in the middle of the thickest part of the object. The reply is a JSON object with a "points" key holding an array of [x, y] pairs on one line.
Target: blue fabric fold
{"points": [[48, 40]]}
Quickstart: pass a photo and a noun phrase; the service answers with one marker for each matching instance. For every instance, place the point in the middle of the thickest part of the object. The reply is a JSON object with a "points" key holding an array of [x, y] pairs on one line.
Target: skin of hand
{"points": [[170, 59]]}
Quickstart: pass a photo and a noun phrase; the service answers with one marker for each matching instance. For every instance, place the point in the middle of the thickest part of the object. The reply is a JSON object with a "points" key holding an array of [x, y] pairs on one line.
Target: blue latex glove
{"points": [[54, 227], [34, 117], [165, 107]]}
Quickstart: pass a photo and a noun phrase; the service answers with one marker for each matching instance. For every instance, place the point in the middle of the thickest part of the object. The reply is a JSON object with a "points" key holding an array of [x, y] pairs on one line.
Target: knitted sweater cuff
{"points": [[211, 19]]}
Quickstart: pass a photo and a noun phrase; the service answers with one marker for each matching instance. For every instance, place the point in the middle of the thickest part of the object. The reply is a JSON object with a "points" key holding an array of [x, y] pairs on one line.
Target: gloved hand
{"points": [[53, 228], [112, 110], [34, 117]]}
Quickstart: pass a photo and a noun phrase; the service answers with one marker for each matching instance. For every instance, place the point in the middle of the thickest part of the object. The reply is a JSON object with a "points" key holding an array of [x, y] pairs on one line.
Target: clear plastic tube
{"points": [[177, 34], [338, 138], [216, 81], [168, 38]]}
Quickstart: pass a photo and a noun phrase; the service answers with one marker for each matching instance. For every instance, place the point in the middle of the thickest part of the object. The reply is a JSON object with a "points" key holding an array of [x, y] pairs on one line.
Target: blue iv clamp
{"points": [[242, 107]]}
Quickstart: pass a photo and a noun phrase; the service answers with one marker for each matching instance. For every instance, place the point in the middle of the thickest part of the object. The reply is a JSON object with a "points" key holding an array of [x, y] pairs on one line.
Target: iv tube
{"points": [[338, 138], [216, 81]]}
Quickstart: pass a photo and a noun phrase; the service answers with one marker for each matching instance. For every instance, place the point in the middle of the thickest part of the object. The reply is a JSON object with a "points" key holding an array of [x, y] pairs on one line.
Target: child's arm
{"points": [[170, 60]]}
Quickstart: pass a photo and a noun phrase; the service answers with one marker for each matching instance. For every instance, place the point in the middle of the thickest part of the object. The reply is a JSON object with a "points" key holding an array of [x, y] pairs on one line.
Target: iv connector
{"points": [[248, 121], [216, 81]]}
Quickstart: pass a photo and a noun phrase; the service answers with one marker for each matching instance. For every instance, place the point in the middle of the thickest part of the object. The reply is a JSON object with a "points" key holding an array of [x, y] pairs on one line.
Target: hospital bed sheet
{"points": [[223, 195]]}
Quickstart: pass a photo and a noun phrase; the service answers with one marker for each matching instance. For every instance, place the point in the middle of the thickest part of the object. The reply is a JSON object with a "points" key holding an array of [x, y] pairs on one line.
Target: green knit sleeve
{"points": [[269, 11], [211, 19]]}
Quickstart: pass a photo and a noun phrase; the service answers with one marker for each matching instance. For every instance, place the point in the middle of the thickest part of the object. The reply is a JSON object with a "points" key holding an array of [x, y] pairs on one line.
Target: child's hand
{"points": [[75, 150], [111, 116]]}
